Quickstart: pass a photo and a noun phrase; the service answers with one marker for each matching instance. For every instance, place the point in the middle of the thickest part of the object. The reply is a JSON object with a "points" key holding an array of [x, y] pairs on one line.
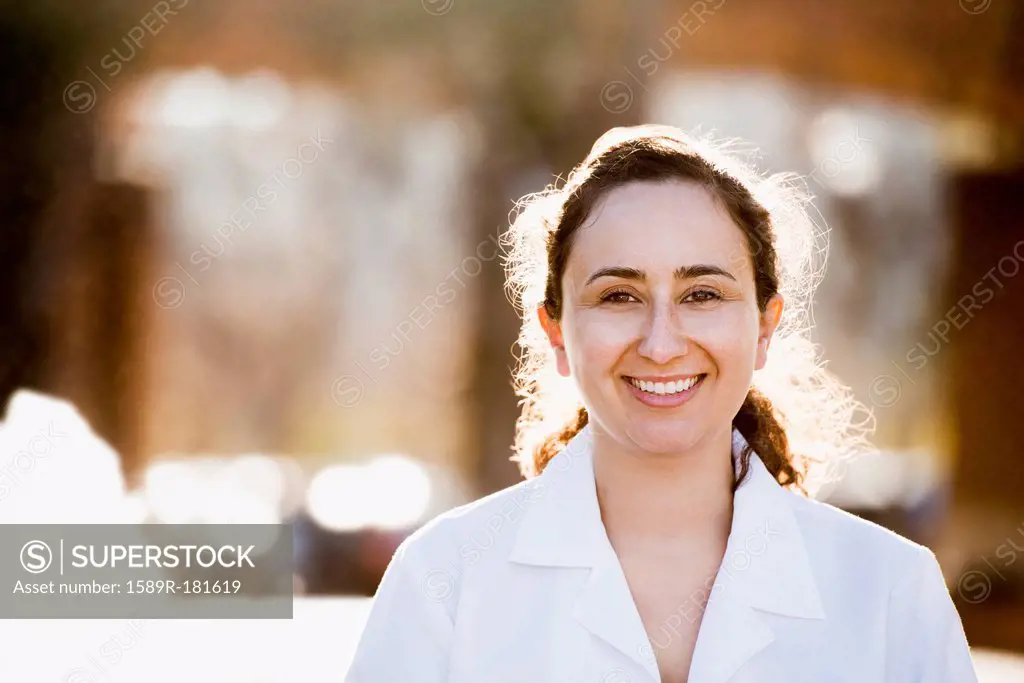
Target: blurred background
{"points": [[253, 243]]}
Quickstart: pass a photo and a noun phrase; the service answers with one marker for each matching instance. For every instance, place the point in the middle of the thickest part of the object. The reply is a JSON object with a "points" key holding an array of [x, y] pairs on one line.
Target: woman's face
{"points": [[660, 326]]}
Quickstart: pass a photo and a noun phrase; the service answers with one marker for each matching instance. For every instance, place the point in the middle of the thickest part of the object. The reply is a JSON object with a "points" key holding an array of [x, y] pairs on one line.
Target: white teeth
{"points": [[663, 388]]}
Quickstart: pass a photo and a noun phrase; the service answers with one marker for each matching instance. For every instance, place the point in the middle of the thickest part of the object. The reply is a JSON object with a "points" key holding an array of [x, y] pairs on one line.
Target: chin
{"points": [[663, 437]]}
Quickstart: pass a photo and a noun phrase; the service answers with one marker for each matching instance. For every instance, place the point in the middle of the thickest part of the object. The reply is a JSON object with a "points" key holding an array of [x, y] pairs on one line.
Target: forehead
{"points": [[657, 227]]}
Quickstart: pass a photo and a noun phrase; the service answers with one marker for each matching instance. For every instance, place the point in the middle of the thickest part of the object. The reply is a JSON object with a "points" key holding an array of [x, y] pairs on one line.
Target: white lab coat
{"points": [[523, 586]]}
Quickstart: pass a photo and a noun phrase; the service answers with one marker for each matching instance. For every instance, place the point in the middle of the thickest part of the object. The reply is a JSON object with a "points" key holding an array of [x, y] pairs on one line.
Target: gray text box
{"points": [[168, 571]]}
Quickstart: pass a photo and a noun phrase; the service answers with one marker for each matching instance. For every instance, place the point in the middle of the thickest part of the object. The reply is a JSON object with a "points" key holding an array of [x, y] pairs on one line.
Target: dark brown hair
{"points": [[542, 237]]}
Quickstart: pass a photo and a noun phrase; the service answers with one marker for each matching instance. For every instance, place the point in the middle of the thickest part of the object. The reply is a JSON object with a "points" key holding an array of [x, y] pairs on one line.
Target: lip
{"points": [[664, 400], [665, 378]]}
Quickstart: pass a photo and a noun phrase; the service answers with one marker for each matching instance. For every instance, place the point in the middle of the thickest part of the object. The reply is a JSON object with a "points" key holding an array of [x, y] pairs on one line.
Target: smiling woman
{"points": [[675, 419], [673, 241]]}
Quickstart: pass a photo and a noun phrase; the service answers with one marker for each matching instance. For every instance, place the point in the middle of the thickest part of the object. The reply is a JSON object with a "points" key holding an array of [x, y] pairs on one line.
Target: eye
{"points": [[618, 297], [703, 296]]}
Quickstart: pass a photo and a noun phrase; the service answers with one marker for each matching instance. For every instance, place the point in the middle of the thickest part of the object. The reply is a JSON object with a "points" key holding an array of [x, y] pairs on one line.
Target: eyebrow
{"points": [[681, 273]]}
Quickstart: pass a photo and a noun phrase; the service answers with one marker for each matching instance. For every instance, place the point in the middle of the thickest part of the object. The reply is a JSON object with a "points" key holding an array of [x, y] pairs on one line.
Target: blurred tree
{"points": [[37, 59]]}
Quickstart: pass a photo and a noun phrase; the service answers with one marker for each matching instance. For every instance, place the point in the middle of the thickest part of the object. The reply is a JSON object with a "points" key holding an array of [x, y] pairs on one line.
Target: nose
{"points": [[664, 337]]}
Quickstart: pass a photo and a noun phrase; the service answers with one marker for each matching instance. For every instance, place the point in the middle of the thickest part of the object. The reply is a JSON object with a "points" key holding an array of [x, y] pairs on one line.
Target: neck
{"points": [[659, 498]]}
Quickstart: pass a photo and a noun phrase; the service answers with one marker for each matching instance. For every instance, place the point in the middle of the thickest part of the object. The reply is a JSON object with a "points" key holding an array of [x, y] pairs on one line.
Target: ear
{"points": [[769, 322], [553, 330]]}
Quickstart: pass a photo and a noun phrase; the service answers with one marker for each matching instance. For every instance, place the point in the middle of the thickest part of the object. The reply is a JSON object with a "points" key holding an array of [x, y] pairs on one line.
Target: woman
{"points": [[674, 419]]}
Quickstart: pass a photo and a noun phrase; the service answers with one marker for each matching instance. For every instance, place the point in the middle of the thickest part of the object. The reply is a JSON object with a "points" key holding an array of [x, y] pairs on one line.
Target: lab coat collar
{"points": [[765, 567]]}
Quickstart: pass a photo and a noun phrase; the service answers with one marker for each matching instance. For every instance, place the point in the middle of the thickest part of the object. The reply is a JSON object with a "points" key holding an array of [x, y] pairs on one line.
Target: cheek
{"points": [[729, 338], [732, 358], [597, 341], [597, 338]]}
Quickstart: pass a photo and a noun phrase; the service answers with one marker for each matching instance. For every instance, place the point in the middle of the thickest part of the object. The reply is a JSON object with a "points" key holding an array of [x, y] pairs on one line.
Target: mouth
{"points": [[665, 392]]}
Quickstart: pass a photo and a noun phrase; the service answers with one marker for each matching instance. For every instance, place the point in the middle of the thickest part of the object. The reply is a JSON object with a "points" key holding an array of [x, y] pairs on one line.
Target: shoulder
{"points": [[839, 540], [430, 565], [478, 522], [881, 582]]}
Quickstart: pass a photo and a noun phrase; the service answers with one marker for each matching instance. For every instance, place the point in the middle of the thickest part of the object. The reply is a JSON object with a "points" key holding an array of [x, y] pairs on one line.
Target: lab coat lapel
{"points": [[606, 608], [564, 529], [731, 633], [765, 570]]}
